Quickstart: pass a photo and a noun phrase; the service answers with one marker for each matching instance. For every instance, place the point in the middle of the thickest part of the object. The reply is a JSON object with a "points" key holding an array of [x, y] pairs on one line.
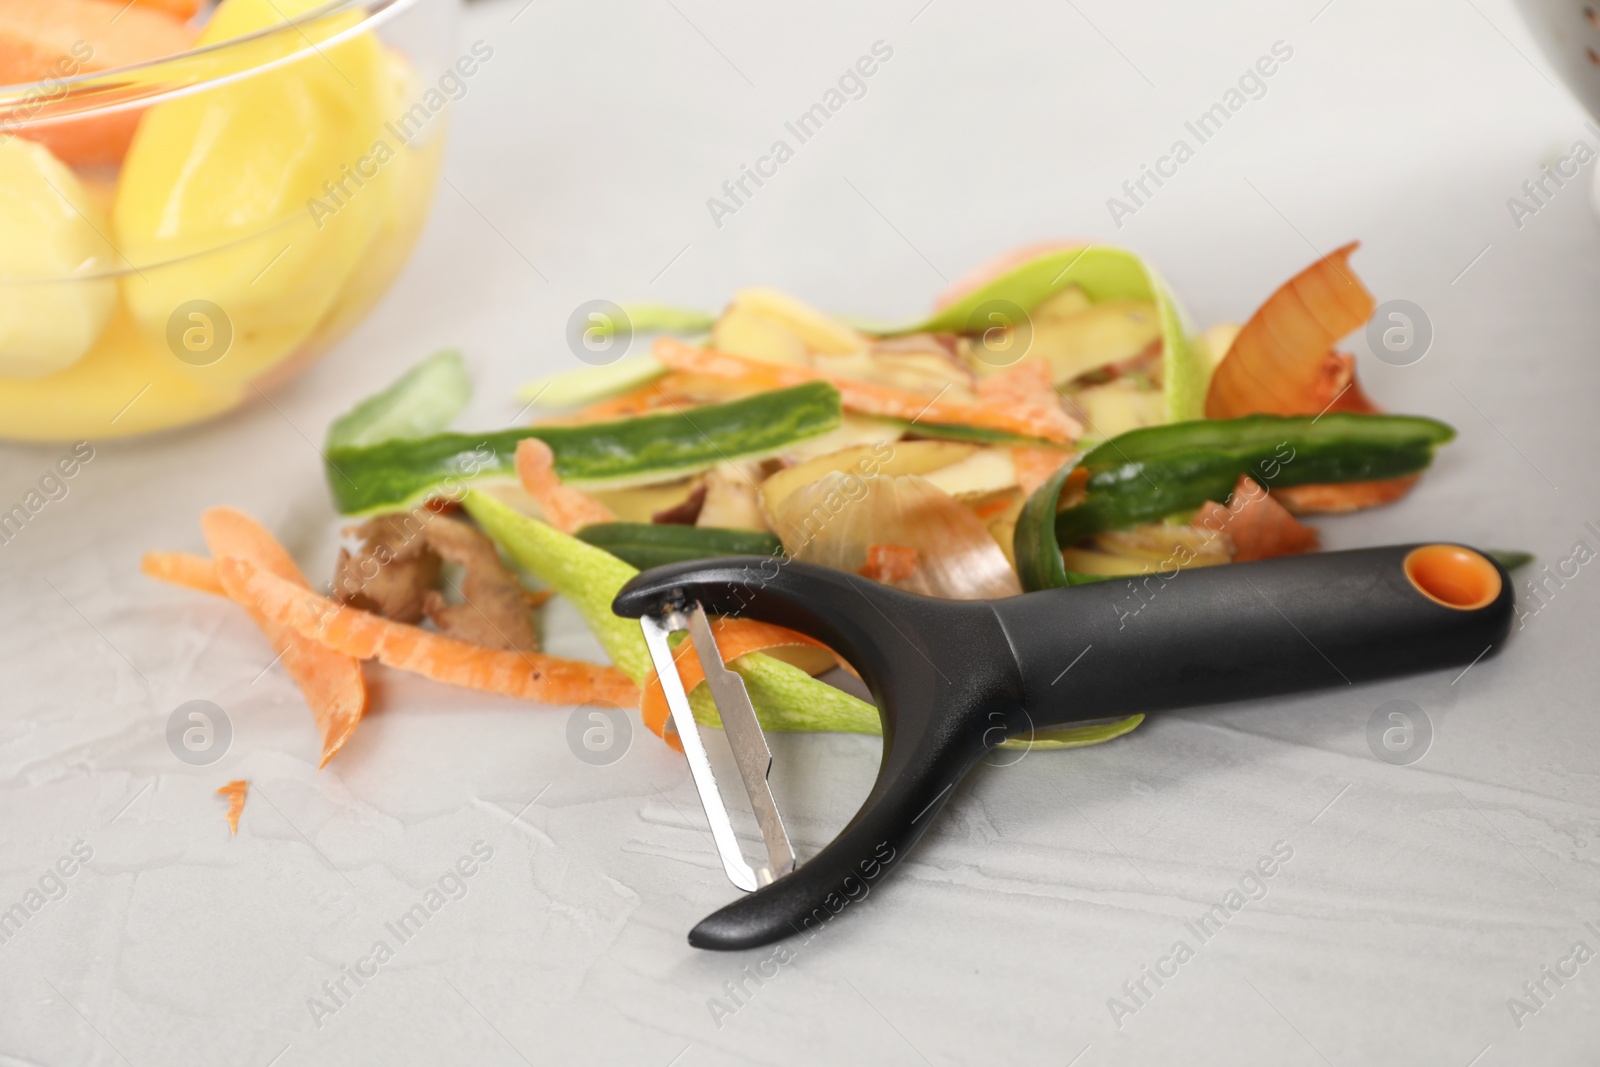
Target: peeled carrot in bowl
{"points": [[183, 9], [47, 40]]}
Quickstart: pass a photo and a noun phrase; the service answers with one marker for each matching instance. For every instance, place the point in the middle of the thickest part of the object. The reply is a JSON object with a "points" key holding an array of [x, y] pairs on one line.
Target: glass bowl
{"points": [[182, 234]]}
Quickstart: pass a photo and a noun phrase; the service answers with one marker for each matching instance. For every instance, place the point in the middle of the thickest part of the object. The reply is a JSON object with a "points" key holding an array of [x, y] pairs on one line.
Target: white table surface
{"points": [[1418, 898]]}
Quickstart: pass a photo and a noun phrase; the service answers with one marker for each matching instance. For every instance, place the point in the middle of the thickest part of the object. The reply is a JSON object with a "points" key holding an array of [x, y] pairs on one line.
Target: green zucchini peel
{"points": [[653, 544], [1148, 474], [423, 400], [1103, 273], [401, 473]]}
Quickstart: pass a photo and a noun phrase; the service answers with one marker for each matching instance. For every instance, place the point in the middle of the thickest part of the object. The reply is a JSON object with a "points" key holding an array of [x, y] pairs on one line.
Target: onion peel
{"points": [[835, 520], [1282, 362]]}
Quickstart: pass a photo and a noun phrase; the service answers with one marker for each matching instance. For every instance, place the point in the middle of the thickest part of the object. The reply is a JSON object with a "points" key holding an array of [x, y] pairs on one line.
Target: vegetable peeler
{"points": [[953, 678]]}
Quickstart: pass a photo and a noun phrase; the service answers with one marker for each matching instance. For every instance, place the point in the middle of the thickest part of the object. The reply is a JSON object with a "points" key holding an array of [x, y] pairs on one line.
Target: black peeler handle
{"points": [[1216, 634], [951, 679]]}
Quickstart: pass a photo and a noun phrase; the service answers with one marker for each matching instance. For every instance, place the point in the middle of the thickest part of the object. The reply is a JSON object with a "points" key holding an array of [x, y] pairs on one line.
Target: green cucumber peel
{"points": [[422, 401], [398, 474], [649, 544], [665, 318], [1081, 736], [1033, 542], [1103, 273], [1147, 474], [1509, 558]]}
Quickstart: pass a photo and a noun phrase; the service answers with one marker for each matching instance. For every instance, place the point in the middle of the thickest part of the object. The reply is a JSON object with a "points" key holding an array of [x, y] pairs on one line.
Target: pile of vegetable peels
{"points": [[1055, 422]]}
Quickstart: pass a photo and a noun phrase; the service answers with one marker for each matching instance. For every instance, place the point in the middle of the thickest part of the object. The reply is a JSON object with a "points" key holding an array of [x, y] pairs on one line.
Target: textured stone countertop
{"points": [[1407, 904]]}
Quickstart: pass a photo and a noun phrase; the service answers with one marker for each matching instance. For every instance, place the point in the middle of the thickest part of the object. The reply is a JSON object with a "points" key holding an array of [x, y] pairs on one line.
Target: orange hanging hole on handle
{"points": [[1454, 576]]}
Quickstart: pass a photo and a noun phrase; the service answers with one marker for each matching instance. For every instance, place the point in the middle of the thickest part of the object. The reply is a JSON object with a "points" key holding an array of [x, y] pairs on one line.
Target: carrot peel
{"points": [[185, 569], [333, 684], [363, 635], [567, 509], [235, 791], [735, 638], [869, 398], [1345, 496], [1258, 525], [889, 563]]}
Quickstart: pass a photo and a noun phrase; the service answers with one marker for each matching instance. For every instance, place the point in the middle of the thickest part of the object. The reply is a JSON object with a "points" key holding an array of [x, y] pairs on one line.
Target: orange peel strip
{"points": [[526, 675], [1034, 466], [235, 791], [1025, 387], [183, 568], [1345, 496], [735, 638], [333, 684], [1258, 525], [567, 509], [866, 398]]}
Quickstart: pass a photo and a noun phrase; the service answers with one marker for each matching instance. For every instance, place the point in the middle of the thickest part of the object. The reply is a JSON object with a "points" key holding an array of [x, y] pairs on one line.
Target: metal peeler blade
{"points": [[749, 744]]}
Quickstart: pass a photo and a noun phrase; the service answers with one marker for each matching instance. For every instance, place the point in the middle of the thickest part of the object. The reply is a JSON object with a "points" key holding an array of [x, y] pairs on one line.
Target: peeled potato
{"points": [[223, 189], [124, 385], [406, 184], [52, 232]]}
